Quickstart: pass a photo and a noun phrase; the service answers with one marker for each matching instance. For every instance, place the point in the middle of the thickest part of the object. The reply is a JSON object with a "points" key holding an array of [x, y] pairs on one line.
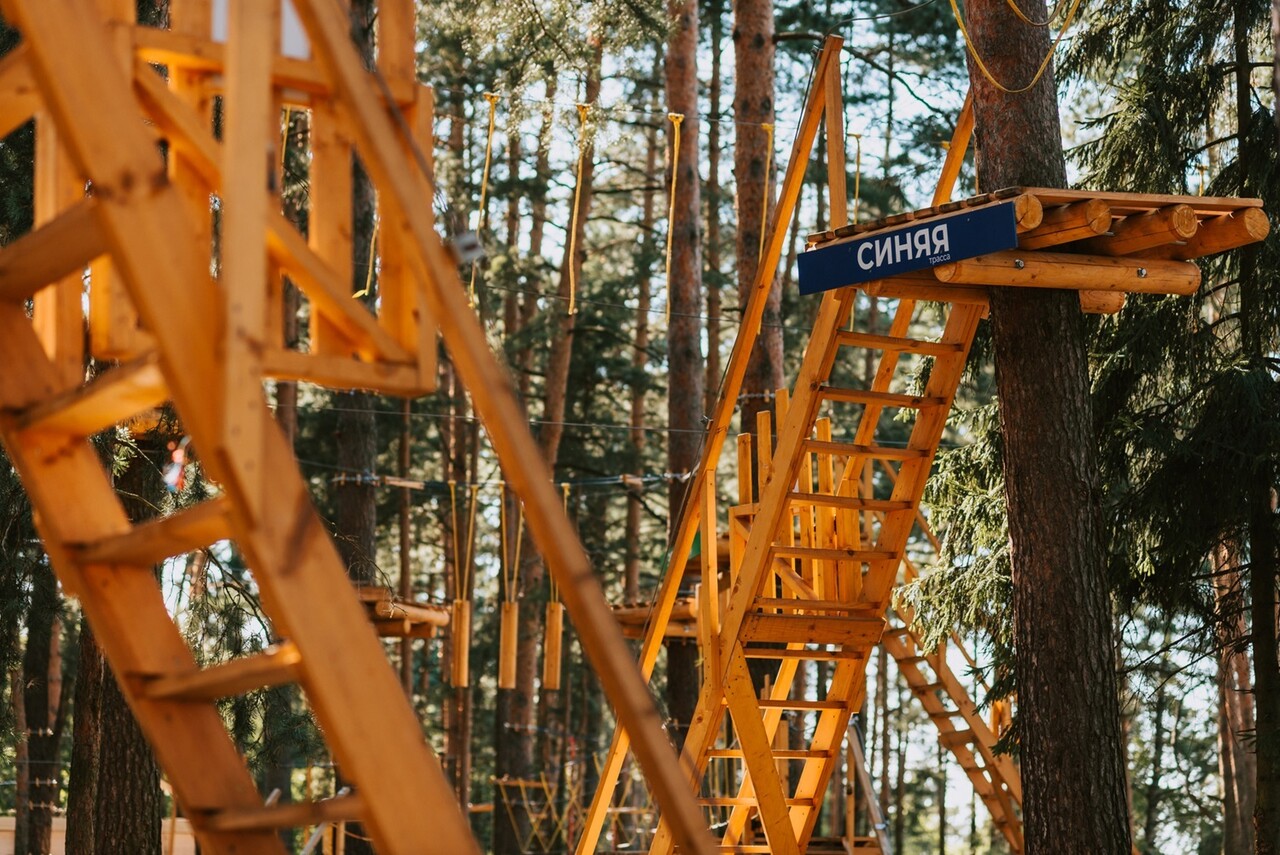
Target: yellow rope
{"points": [[457, 552], [764, 199], [368, 279], [857, 175], [505, 564], [583, 109], [471, 536], [493, 99], [1044, 64], [555, 587], [676, 119], [1022, 16]]}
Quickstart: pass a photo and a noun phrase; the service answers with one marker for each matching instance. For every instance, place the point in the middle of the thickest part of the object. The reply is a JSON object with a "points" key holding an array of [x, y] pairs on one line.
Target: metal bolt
{"points": [[1142, 273], [1019, 263]]}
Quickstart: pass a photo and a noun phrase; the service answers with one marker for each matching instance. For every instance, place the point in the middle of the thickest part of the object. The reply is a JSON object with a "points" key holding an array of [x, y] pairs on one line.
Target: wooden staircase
{"points": [[203, 346]]}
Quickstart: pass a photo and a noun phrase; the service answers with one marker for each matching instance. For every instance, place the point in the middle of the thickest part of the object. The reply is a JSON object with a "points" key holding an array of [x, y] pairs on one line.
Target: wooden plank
{"points": [[19, 95], [112, 397], [149, 543], [956, 150], [1134, 203], [274, 666], [880, 452], [249, 126], [409, 197], [852, 502], [56, 311], [61, 247], [812, 629], [1068, 223], [881, 399], [1067, 270], [344, 373], [848, 338]]}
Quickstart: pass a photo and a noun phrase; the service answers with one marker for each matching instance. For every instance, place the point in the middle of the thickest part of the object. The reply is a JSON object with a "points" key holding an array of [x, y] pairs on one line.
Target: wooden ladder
{"points": [[205, 346]]}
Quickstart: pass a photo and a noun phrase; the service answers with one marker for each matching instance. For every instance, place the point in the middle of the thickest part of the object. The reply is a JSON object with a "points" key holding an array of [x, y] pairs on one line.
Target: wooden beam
{"points": [[274, 666], [149, 543], [284, 815], [1138, 232], [107, 400], [19, 95], [1079, 272], [1068, 223], [62, 246], [1219, 234]]}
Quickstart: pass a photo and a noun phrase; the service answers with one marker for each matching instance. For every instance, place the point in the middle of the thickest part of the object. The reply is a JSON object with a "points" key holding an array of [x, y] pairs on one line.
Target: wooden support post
{"points": [[57, 312]]}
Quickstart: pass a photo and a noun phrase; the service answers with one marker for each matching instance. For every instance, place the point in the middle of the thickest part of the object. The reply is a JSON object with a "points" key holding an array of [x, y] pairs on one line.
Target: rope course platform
{"points": [[815, 553]]}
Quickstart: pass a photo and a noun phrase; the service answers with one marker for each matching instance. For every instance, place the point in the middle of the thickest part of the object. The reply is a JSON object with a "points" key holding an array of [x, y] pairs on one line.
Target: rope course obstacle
{"points": [[144, 230], [810, 557], [813, 560]]}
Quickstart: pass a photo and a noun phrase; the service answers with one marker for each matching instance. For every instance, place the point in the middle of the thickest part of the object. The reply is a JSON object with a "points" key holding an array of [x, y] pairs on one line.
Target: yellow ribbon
{"points": [[764, 198], [493, 99]]}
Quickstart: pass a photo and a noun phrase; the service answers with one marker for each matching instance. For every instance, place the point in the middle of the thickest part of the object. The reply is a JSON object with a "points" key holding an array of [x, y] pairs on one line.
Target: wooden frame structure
{"points": [[143, 225], [813, 562]]}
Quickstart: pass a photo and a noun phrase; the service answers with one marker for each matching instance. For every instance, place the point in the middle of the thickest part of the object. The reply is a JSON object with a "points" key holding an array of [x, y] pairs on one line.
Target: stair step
{"points": [[734, 801], [778, 754], [274, 666], [880, 399], [812, 655], [788, 704], [849, 449], [888, 342], [112, 397], [853, 503], [61, 247], [815, 553], [943, 714], [290, 815], [812, 629], [925, 688], [151, 542], [798, 603], [956, 738]]}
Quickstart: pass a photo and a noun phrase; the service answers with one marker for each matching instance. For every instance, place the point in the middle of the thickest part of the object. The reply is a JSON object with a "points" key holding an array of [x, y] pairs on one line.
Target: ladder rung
{"points": [[881, 399], [901, 629], [943, 714], [854, 503], [912, 660], [888, 342], [814, 655], [151, 542], [956, 738], [287, 815], [778, 754], [812, 629], [799, 603], [274, 666], [112, 397], [734, 801], [849, 449], [788, 704], [59, 248], [815, 553], [926, 688]]}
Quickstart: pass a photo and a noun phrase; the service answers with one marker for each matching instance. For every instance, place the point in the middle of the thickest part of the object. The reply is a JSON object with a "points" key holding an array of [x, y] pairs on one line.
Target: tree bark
{"points": [[714, 273], [685, 392], [1072, 768], [41, 713], [753, 105], [1236, 764], [1151, 822], [86, 744]]}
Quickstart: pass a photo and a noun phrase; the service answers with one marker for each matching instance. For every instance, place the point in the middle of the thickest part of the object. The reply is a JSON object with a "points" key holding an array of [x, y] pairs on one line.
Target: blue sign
{"points": [[914, 246]]}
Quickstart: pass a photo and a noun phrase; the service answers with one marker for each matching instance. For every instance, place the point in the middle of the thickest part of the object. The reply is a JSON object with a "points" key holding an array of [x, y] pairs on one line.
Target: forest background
{"points": [[614, 302]]}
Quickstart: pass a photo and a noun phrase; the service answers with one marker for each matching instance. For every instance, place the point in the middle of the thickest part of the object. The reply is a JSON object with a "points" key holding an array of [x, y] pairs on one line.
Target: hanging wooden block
{"points": [[508, 638], [552, 645], [461, 624]]}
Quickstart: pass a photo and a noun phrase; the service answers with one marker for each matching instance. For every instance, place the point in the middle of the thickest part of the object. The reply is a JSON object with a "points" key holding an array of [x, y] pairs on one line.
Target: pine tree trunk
{"points": [[900, 779], [1150, 825], [40, 712], [882, 720], [712, 240], [753, 105], [1072, 762], [685, 392], [1236, 764], [86, 744]]}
